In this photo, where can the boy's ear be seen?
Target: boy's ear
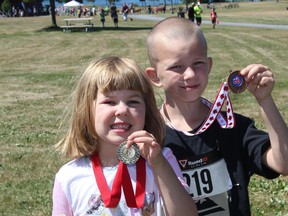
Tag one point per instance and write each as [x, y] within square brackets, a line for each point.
[152, 74]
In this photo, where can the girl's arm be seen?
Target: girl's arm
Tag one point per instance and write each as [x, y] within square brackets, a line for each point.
[173, 188]
[176, 199]
[60, 202]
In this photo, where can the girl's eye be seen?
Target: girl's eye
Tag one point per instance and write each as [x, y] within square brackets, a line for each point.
[109, 102]
[134, 102]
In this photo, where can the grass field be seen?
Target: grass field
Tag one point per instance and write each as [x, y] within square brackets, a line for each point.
[37, 69]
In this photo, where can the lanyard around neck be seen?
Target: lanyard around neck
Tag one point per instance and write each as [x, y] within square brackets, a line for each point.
[122, 177]
[214, 113]
[137, 200]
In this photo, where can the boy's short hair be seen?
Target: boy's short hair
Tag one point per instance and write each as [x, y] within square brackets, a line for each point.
[169, 29]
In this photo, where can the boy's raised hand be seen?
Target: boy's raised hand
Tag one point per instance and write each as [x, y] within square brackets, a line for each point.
[260, 79]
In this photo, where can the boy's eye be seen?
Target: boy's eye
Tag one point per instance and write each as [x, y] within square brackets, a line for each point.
[198, 63]
[175, 67]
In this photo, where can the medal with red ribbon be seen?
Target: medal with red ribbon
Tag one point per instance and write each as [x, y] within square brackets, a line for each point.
[214, 113]
[122, 178]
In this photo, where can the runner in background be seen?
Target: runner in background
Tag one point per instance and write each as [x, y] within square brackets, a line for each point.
[213, 17]
[125, 11]
[114, 14]
[198, 10]
[191, 15]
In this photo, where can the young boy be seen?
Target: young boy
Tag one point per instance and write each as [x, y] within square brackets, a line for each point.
[217, 163]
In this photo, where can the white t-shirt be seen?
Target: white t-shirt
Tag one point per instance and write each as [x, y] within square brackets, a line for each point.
[76, 192]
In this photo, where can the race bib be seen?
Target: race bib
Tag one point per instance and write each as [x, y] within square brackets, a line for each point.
[206, 175]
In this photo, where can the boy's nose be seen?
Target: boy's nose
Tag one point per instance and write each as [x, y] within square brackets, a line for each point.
[189, 73]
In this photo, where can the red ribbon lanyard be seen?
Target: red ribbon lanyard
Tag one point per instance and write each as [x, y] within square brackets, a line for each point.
[135, 201]
[214, 113]
[122, 177]
[110, 199]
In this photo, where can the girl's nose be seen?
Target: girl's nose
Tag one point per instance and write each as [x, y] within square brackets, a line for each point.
[121, 110]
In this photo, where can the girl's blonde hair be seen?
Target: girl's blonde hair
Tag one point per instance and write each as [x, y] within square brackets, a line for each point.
[106, 74]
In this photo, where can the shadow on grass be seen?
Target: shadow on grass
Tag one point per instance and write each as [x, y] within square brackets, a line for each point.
[94, 29]
[50, 28]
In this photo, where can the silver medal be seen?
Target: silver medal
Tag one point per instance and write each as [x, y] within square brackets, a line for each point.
[128, 155]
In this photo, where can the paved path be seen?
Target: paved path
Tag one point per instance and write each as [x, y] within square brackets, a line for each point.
[250, 25]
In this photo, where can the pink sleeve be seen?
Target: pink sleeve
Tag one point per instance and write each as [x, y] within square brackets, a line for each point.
[170, 157]
[61, 205]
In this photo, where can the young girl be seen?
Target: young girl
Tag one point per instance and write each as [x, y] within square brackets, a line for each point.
[115, 117]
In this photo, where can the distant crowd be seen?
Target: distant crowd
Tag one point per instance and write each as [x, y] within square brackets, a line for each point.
[193, 12]
[23, 10]
[92, 11]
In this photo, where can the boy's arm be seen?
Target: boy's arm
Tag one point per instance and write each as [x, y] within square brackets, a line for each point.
[261, 83]
[277, 156]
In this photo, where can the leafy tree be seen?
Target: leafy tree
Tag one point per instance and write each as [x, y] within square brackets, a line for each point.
[187, 2]
[6, 6]
[53, 15]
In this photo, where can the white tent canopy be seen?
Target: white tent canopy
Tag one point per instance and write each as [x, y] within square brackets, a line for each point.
[72, 3]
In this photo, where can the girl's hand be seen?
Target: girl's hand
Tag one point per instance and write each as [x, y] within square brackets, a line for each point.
[149, 148]
[260, 79]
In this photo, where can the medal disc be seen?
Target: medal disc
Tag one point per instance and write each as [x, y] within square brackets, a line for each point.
[128, 155]
[236, 82]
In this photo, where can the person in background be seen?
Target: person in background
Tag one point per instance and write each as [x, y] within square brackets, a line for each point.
[217, 161]
[213, 17]
[102, 17]
[198, 13]
[125, 11]
[116, 136]
[79, 11]
[164, 8]
[93, 10]
[149, 9]
[180, 12]
[191, 12]
[114, 14]
[132, 8]
[106, 10]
